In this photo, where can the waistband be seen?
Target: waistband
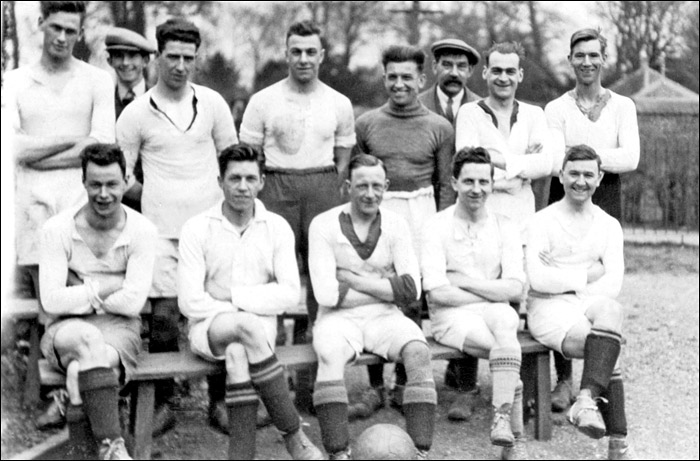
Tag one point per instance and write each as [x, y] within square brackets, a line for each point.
[428, 191]
[540, 295]
[302, 171]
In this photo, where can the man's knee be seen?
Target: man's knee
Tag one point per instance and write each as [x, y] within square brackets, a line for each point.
[78, 340]
[236, 360]
[608, 314]
[251, 330]
[504, 317]
[416, 353]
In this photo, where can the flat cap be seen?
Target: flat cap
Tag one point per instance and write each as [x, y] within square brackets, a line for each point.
[456, 45]
[119, 38]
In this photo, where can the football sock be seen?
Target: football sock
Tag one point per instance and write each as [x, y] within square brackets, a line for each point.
[268, 378]
[99, 390]
[601, 350]
[331, 403]
[504, 363]
[613, 412]
[242, 406]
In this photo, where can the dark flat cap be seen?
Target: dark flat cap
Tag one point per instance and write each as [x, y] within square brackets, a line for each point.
[454, 44]
[119, 38]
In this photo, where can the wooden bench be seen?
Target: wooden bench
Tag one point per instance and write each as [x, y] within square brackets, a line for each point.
[152, 367]
[27, 310]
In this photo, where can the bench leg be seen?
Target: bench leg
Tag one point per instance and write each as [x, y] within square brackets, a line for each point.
[543, 399]
[142, 403]
[32, 385]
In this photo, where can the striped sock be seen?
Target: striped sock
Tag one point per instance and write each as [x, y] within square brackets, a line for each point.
[331, 403]
[268, 378]
[600, 355]
[419, 402]
[516, 414]
[613, 412]
[242, 405]
[504, 363]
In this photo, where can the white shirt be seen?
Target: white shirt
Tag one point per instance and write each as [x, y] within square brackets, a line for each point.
[221, 270]
[444, 99]
[614, 136]
[138, 89]
[298, 130]
[554, 231]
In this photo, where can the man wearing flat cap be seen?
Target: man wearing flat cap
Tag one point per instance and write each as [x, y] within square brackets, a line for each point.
[129, 54]
[453, 64]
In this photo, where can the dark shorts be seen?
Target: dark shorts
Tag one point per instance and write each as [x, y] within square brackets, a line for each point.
[122, 333]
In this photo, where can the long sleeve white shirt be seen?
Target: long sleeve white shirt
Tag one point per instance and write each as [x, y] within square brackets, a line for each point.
[129, 260]
[222, 271]
[614, 136]
[554, 231]
[475, 128]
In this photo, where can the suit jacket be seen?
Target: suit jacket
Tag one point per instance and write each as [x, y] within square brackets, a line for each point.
[429, 98]
[118, 105]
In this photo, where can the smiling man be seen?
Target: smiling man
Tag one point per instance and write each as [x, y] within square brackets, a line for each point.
[177, 129]
[237, 272]
[575, 266]
[592, 115]
[95, 271]
[416, 146]
[306, 130]
[362, 266]
[514, 133]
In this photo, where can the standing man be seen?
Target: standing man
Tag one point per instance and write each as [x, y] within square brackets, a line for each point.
[237, 271]
[362, 266]
[416, 147]
[95, 270]
[56, 107]
[514, 133]
[305, 130]
[177, 129]
[453, 64]
[472, 266]
[592, 115]
[575, 265]
[129, 54]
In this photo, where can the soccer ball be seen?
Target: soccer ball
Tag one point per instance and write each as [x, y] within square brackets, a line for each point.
[384, 441]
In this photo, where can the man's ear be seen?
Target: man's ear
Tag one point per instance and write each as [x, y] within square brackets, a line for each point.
[421, 81]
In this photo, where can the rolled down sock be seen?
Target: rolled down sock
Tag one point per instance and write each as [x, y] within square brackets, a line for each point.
[600, 354]
[331, 403]
[242, 405]
[99, 390]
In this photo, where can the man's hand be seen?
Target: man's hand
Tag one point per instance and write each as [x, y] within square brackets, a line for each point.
[596, 271]
[534, 149]
[546, 258]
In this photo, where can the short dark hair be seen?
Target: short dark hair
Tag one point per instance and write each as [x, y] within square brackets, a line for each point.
[177, 30]
[49, 8]
[506, 48]
[470, 155]
[361, 160]
[241, 153]
[585, 35]
[304, 29]
[103, 155]
[403, 53]
[581, 152]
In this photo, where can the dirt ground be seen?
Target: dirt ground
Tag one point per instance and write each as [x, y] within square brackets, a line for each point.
[661, 368]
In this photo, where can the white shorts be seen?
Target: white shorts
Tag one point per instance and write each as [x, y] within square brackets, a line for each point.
[415, 207]
[381, 329]
[165, 269]
[550, 319]
[452, 326]
[198, 335]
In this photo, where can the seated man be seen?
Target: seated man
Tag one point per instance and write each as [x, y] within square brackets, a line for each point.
[237, 271]
[95, 273]
[362, 265]
[472, 264]
[575, 264]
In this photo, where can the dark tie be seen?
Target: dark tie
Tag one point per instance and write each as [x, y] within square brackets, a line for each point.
[448, 111]
[128, 97]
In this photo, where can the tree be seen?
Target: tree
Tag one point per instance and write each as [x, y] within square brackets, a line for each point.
[130, 15]
[652, 26]
[221, 75]
[9, 35]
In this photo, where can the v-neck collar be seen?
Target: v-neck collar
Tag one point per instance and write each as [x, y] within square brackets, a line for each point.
[194, 108]
[366, 248]
[494, 119]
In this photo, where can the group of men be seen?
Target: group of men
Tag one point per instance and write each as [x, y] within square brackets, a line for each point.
[424, 228]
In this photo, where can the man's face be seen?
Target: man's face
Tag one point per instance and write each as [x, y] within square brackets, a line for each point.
[580, 179]
[61, 32]
[403, 82]
[105, 186]
[241, 184]
[452, 72]
[128, 65]
[502, 75]
[176, 64]
[366, 187]
[304, 56]
[587, 61]
[473, 186]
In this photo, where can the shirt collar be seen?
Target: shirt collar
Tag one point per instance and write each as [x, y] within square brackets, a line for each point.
[138, 89]
[260, 215]
[124, 238]
[513, 115]
[443, 98]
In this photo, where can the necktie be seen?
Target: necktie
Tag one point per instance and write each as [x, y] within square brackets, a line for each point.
[128, 97]
[448, 112]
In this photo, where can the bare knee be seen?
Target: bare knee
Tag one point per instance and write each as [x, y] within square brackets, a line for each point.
[416, 354]
[236, 362]
[79, 342]
[251, 331]
[504, 319]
